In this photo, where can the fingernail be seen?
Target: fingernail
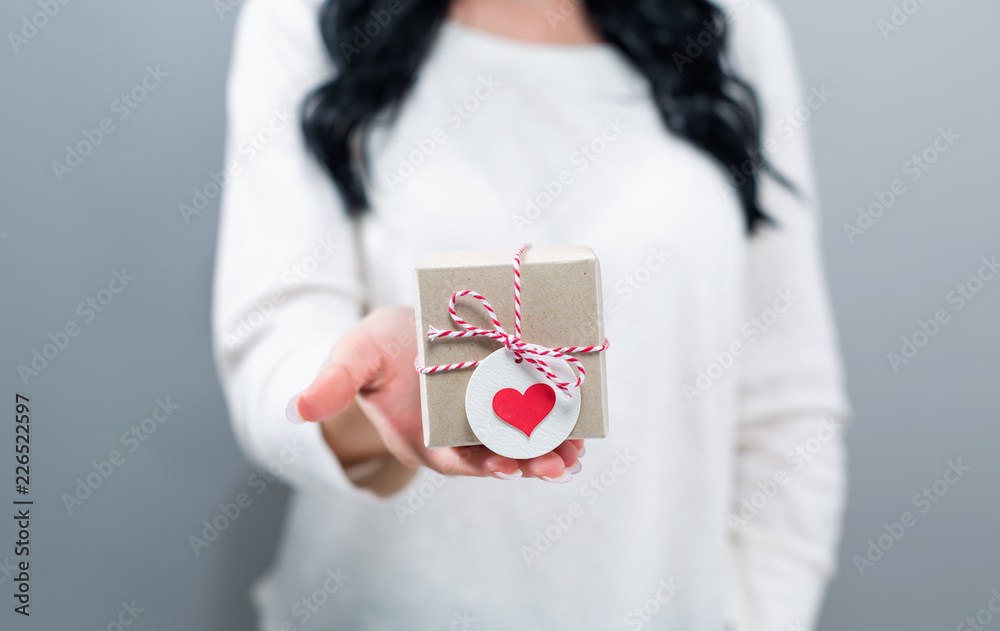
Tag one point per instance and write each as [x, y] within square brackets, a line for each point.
[582, 451]
[575, 468]
[563, 479]
[507, 476]
[292, 411]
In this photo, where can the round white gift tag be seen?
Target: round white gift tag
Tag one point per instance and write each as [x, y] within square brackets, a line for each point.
[515, 411]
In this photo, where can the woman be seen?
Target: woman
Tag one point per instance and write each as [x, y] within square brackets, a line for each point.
[715, 501]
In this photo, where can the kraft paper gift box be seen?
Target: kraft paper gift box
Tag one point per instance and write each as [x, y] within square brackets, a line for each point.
[561, 306]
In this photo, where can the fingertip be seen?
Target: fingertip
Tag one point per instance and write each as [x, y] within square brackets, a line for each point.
[329, 395]
[305, 406]
[565, 478]
[505, 476]
[292, 411]
[568, 452]
[550, 465]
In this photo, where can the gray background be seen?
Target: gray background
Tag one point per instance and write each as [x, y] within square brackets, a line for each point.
[129, 539]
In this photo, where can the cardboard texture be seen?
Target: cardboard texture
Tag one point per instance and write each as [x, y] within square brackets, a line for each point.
[561, 306]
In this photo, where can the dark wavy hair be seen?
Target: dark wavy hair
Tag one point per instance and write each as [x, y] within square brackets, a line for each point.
[678, 45]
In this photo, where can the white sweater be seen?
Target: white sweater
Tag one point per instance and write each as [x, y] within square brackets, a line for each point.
[717, 497]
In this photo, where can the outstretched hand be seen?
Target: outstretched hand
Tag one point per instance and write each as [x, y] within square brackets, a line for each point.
[373, 364]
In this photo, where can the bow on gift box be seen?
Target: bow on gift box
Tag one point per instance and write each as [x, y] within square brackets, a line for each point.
[534, 354]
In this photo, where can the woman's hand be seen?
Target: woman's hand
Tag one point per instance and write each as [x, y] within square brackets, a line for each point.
[373, 364]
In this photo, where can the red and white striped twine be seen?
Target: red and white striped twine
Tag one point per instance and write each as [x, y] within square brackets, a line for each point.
[531, 353]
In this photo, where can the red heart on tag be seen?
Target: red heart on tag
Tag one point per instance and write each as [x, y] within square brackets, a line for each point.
[525, 411]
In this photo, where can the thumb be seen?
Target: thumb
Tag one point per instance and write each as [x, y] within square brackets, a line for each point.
[355, 361]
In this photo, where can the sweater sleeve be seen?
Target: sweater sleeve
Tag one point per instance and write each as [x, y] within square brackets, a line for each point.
[286, 283]
[790, 474]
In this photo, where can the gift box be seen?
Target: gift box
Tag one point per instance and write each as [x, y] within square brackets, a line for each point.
[560, 310]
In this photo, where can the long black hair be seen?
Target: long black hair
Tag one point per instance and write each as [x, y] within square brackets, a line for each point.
[679, 45]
